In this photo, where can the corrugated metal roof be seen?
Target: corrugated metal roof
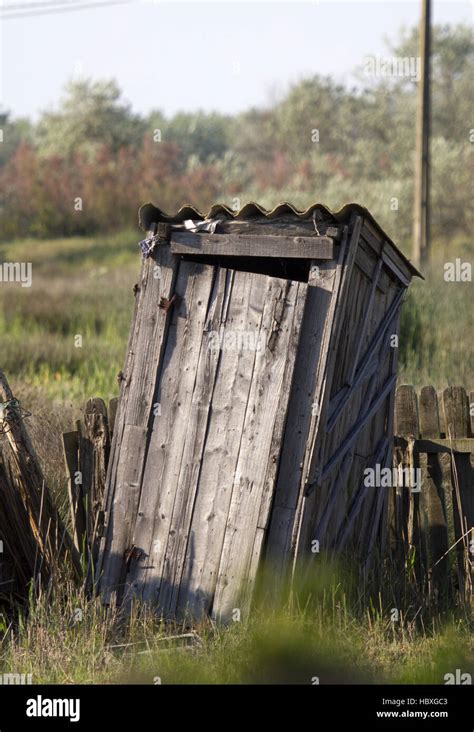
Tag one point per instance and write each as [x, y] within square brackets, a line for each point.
[149, 213]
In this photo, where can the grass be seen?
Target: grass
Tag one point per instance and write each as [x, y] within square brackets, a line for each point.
[81, 287]
[322, 638]
[437, 324]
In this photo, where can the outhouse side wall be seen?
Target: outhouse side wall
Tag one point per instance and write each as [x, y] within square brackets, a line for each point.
[345, 408]
[339, 509]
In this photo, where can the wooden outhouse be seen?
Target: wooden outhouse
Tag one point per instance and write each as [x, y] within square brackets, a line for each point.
[258, 385]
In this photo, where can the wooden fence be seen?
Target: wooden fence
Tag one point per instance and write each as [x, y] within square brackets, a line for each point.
[431, 522]
[86, 454]
[33, 539]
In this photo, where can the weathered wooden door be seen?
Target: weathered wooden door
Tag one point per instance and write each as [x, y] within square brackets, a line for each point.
[212, 446]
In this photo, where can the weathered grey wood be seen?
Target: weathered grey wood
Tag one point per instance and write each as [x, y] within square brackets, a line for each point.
[167, 440]
[428, 413]
[396, 268]
[303, 408]
[260, 446]
[457, 419]
[240, 312]
[439, 445]
[365, 322]
[221, 468]
[200, 405]
[351, 437]
[435, 527]
[357, 502]
[112, 413]
[247, 245]
[367, 365]
[406, 411]
[456, 412]
[97, 432]
[315, 440]
[174, 594]
[50, 534]
[86, 470]
[141, 375]
[76, 505]
[123, 508]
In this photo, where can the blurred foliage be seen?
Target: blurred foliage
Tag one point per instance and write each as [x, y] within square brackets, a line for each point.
[332, 640]
[318, 141]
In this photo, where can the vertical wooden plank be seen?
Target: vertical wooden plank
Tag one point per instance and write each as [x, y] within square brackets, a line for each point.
[168, 436]
[242, 313]
[406, 412]
[429, 413]
[138, 386]
[71, 459]
[333, 320]
[366, 320]
[457, 419]
[432, 503]
[260, 446]
[97, 433]
[112, 413]
[174, 581]
[407, 424]
[129, 469]
[302, 411]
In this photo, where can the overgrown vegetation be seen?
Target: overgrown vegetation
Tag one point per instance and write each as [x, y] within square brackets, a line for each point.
[320, 141]
[324, 633]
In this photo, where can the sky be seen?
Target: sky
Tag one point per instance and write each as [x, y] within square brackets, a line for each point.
[172, 56]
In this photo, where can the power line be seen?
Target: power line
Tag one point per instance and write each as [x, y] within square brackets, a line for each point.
[61, 8]
[31, 6]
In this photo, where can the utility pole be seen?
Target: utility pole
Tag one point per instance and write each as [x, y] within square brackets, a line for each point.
[421, 211]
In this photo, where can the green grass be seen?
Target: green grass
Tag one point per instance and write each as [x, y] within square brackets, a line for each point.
[324, 637]
[81, 286]
[437, 324]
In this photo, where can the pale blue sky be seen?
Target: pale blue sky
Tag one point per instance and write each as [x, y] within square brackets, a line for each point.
[217, 55]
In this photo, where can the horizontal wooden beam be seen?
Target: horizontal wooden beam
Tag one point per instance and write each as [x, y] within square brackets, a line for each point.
[247, 245]
[463, 444]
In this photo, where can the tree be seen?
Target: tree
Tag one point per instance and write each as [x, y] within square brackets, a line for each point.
[91, 114]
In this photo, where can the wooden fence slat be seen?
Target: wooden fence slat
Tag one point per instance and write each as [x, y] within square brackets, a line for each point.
[112, 413]
[434, 528]
[456, 410]
[76, 504]
[53, 540]
[406, 411]
[429, 413]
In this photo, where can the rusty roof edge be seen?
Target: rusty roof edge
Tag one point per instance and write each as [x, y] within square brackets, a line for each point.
[149, 213]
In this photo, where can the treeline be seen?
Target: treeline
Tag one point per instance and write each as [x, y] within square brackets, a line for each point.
[86, 167]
